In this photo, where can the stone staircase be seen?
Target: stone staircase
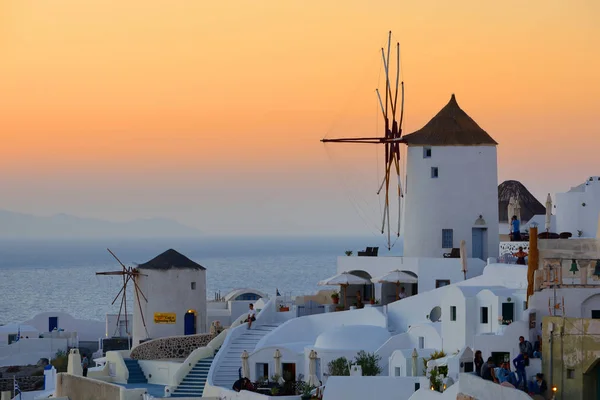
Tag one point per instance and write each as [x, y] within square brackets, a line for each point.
[193, 383]
[228, 370]
[136, 374]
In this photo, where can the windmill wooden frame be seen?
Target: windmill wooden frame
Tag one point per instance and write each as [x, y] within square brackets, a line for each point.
[392, 136]
[128, 274]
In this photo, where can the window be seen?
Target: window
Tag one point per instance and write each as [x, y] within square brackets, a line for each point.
[417, 386]
[262, 370]
[193, 284]
[426, 152]
[595, 314]
[434, 172]
[484, 315]
[441, 283]
[248, 297]
[524, 305]
[421, 342]
[452, 313]
[447, 238]
[398, 371]
[570, 373]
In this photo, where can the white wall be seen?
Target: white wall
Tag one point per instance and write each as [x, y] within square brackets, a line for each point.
[572, 216]
[87, 330]
[369, 387]
[169, 291]
[159, 372]
[307, 329]
[265, 355]
[29, 351]
[428, 270]
[467, 186]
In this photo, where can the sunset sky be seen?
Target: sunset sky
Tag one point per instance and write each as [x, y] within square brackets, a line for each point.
[210, 112]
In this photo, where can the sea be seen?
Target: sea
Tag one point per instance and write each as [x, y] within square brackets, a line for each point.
[60, 275]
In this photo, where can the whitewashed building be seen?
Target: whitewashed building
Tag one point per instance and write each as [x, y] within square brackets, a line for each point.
[451, 190]
[175, 289]
[577, 210]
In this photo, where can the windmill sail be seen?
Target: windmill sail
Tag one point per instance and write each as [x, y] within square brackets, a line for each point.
[393, 114]
[129, 274]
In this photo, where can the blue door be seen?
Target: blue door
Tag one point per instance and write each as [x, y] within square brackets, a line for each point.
[189, 323]
[52, 323]
[478, 243]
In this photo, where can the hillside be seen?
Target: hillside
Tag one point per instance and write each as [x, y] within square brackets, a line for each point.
[63, 226]
[530, 206]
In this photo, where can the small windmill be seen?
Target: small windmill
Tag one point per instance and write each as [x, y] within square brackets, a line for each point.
[391, 138]
[128, 274]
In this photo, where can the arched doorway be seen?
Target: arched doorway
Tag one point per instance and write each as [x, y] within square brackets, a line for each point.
[366, 291]
[189, 322]
[388, 290]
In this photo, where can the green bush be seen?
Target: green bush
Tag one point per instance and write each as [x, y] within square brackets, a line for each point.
[369, 362]
[60, 361]
[339, 367]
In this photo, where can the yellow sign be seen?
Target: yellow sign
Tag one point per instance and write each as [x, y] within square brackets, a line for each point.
[165, 318]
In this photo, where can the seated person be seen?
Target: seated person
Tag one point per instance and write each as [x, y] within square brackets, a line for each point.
[248, 385]
[251, 316]
[539, 385]
[520, 256]
[238, 385]
[359, 303]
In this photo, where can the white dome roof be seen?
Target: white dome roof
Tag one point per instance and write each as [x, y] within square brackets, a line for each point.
[353, 337]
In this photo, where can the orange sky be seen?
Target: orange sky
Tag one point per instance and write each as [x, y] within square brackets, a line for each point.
[190, 108]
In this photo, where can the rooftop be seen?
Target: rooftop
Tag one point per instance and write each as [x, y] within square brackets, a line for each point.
[171, 259]
[450, 127]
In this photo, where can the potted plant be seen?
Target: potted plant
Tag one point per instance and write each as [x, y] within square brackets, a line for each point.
[339, 307]
[335, 297]
[372, 300]
[306, 391]
[283, 308]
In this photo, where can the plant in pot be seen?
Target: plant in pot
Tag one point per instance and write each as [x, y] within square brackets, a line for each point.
[306, 393]
[335, 297]
[372, 300]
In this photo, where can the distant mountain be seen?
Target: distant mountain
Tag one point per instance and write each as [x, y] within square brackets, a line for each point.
[63, 226]
[530, 206]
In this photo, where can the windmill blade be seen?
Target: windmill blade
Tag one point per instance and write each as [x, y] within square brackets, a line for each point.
[117, 258]
[121, 291]
[138, 288]
[119, 315]
[138, 291]
[111, 273]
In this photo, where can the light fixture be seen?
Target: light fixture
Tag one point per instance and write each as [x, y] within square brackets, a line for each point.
[597, 268]
[574, 268]
[554, 388]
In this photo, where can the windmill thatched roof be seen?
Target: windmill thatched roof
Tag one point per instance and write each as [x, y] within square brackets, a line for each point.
[450, 127]
[171, 259]
[530, 206]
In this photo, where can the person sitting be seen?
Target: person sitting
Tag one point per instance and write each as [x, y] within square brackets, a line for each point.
[238, 385]
[539, 385]
[251, 316]
[402, 293]
[487, 371]
[520, 256]
[359, 303]
[478, 362]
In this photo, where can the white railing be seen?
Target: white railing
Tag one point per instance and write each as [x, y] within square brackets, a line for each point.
[197, 355]
[235, 331]
[117, 359]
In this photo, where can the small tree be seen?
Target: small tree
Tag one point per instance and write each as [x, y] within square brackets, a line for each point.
[369, 362]
[339, 367]
[348, 253]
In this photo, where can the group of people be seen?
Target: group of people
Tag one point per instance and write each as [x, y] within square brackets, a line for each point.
[502, 373]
